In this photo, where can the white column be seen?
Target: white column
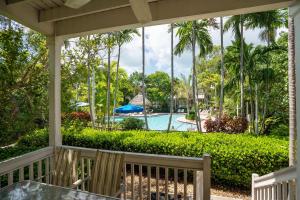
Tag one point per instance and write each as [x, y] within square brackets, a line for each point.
[54, 46]
[295, 12]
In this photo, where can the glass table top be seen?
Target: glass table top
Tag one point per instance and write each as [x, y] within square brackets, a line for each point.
[27, 190]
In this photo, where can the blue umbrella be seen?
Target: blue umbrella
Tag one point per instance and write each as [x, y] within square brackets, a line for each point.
[129, 109]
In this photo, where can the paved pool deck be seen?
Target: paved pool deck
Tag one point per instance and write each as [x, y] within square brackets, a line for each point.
[213, 197]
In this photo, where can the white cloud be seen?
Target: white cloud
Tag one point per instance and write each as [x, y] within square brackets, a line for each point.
[157, 54]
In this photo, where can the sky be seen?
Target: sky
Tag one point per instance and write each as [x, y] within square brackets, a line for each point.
[158, 50]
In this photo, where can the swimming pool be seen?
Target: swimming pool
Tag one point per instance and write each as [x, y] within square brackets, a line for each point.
[160, 122]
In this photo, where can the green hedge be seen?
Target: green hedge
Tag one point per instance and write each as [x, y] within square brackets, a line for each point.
[10, 152]
[234, 157]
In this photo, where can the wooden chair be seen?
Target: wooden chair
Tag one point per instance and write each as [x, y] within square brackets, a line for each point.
[106, 174]
[65, 165]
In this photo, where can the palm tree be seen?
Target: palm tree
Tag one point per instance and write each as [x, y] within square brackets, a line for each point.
[90, 77]
[255, 58]
[292, 92]
[194, 75]
[121, 38]
[143, 81]
[109, 44]
[236, 23]
[172, 80]
[191, 34]
[222, 69]
[269, 22]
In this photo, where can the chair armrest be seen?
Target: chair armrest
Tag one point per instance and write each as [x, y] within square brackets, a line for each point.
[39, 178]
[79, 182]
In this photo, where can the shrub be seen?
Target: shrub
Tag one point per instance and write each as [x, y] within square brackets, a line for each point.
[226, 124]
[132, 123]
[234, 157]
[83, 116]
[10, 152]
[280, 130]
[191, 115]
[38, 139]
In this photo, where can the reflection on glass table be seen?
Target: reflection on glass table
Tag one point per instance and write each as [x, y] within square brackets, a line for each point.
[28, 190]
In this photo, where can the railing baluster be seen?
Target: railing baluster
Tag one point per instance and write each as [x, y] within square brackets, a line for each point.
[149, 181]
[266, 193]
[284, 191]
[125, 182]
[194, 185]
[274, 192]
[132, 181]
[185, 184]
[157, 183]
[82, 173]
[31, 176]
[175, 183]
[21, 174]
[279, 194]
[140, 181]
[47, 170]
[40, 171]
[51, 165]
[200, 183]
[166, 183]
[270, 193]
[10, 178]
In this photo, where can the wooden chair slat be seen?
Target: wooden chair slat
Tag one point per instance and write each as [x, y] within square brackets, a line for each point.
[106, 173]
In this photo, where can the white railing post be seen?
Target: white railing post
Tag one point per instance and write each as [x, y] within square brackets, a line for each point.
[253, 193]
[294, 11]
[54, 46]
[206, 176]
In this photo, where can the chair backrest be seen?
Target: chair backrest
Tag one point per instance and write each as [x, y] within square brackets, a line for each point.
[65, 167]
[106, 173]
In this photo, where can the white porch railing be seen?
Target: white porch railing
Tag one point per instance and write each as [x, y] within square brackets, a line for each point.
[279, 185]
[147, 176]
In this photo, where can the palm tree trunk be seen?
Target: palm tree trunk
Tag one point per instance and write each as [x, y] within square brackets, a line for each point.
[90, 88]
[194, 77]
[117, 82]
[172, 81]
[222, 69]
[143, 84]
[108, 85]
[256, 109]
[265, 108]
[292, 93]
[197, 95]
[93, 95]
[77, 96]
[242, 66]
[251, 107]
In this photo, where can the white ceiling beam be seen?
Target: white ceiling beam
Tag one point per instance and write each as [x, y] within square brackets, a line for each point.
[100, 22]
[169, 11]
[26, 15]
[141, 10]
[163, 12]
[63, 12]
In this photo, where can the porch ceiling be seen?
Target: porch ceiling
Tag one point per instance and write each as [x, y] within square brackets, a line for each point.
[51, 17]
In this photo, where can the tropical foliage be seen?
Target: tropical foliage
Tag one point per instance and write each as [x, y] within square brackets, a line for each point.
[234, 157]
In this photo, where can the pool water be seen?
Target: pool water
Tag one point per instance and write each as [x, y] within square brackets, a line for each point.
[160, 122]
